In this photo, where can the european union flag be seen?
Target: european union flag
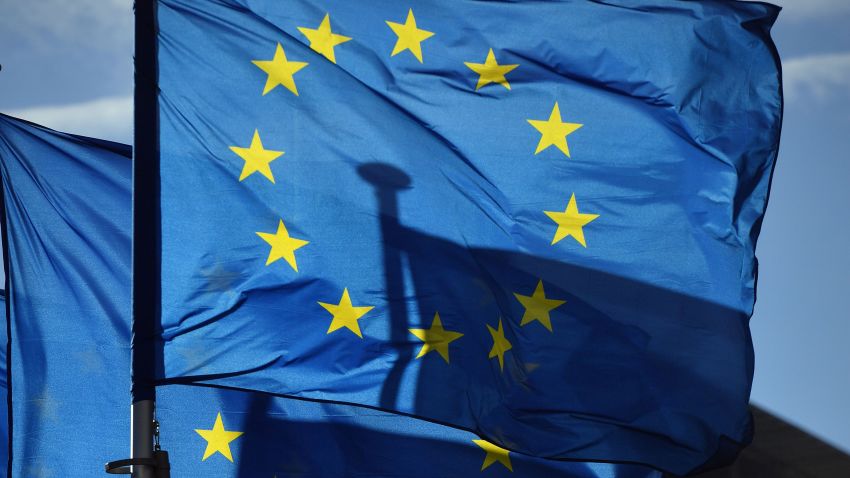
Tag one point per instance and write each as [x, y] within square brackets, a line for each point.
[66, 208]
[67, 204]
[216, 432]
[534, 221]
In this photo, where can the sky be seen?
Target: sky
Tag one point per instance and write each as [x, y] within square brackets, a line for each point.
[68, 65]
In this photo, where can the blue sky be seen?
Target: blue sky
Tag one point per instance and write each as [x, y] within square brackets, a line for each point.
[68, 65]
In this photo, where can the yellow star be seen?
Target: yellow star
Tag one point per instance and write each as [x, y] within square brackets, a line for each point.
[500, 344]
[218, 439]
[494, 454]
[409, 36]
[570, 222]
[283, 246]
[553, 132]
[491, 71]
[436, 338]
[280, 71]
[322, 39]
[257, 158]
[345, 314]
[537, 306]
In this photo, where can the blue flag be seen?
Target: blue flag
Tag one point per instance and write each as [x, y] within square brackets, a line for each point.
[214, 432]
[67, 231]
[535, 221]
[67, 204]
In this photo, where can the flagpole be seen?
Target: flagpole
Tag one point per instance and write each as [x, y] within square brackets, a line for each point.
[145, 238]
[141, 436]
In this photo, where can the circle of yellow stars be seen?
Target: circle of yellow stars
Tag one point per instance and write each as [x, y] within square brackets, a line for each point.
[281, 71]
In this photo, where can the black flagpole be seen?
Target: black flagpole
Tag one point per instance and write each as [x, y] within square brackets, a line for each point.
[145, 278]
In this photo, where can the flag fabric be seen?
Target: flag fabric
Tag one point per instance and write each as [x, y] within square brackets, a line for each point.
[215, 432]
[67, 210]
[535, 221]
[67, 204]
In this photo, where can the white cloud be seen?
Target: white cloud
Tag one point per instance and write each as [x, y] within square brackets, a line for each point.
[104, 118]
[817, 77]
[91, 24]
[796, 10]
